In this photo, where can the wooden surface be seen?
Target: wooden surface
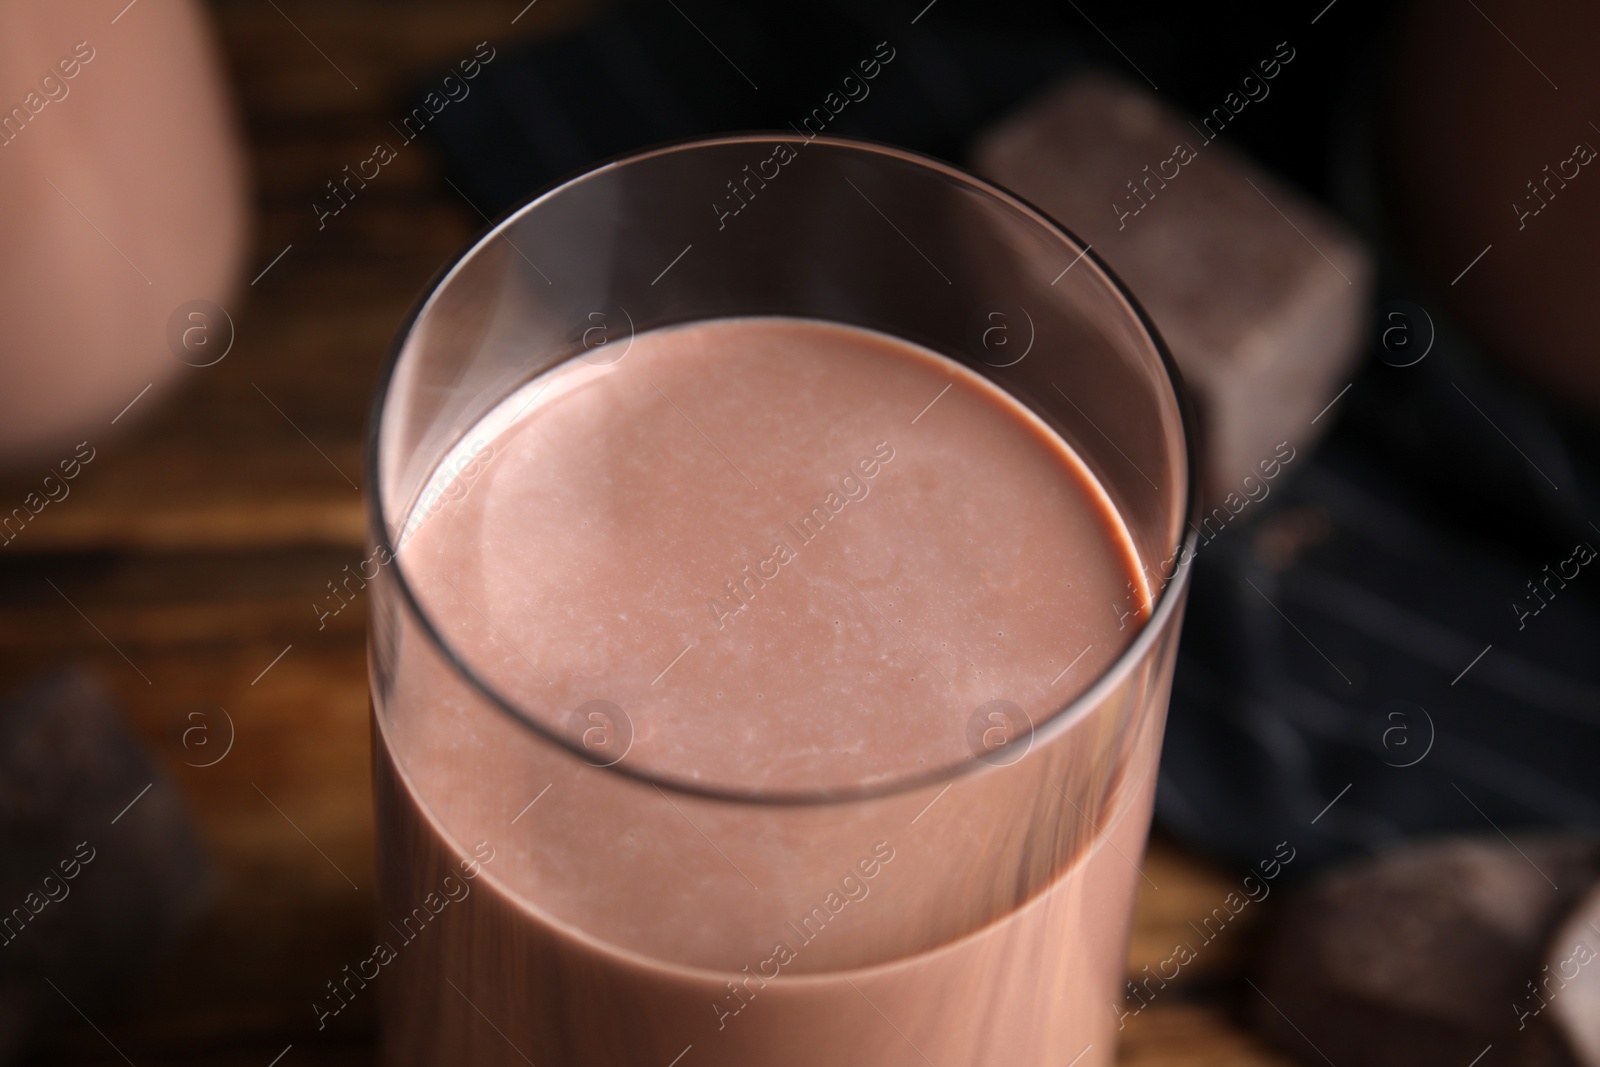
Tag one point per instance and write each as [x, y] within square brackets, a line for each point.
[192, 549]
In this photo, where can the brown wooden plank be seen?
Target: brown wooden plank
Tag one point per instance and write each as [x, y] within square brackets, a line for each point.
[1190, 1035]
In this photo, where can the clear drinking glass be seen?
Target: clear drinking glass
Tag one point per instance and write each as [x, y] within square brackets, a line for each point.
[994, 925]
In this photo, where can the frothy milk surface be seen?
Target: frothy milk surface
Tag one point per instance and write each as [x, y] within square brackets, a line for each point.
[797, 555]
[775, 554]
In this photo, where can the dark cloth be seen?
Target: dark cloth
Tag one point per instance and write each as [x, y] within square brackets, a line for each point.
[1337, 629]
[645, 72]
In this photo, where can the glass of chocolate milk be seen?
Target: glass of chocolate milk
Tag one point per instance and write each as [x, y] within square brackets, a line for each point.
[780, 549]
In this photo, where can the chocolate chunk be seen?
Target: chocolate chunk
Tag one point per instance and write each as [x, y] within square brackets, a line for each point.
[1423, 956]
[103, 865]
[1260, 295]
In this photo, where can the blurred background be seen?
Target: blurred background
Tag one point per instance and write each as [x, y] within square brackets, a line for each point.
[1379, 252]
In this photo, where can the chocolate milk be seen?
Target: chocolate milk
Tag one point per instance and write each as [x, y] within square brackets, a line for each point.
[805, 602]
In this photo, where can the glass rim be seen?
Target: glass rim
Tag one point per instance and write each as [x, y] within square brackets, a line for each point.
[1164, 602]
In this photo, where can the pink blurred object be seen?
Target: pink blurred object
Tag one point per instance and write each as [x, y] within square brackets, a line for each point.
[123, 188]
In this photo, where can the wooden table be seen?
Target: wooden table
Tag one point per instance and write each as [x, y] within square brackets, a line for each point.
[198, 540]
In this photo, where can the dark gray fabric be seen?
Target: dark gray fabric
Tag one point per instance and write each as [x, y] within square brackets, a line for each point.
[1400, 551]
